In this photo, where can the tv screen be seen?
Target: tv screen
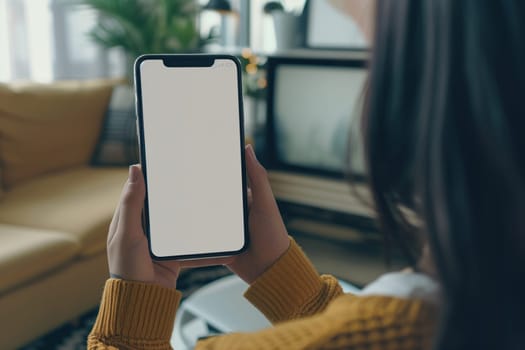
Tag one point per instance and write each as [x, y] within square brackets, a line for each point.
[313, 112]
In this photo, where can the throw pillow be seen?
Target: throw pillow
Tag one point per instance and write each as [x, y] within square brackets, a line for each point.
[47, 127]
[118, 143]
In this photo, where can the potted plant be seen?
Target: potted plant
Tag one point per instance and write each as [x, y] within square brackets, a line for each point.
[140, 26]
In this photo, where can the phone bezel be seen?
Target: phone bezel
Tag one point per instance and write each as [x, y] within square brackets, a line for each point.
[189, 60]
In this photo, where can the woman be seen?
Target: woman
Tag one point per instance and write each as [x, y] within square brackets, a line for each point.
[444, 129]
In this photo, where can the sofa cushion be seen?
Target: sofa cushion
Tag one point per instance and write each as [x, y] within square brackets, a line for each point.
[46, 127]
[79, 202]
[26, 253]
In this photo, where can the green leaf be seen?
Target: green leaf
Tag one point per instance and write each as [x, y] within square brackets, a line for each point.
[146, 26]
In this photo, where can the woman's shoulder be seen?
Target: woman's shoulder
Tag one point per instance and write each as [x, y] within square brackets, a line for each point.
[381, 320]
[397, 308]
[384, 309]
[400, 301]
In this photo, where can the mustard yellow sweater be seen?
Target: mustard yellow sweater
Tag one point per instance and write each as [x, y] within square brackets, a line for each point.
[308, 312]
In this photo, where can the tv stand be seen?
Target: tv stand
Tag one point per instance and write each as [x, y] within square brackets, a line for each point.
[331, 208]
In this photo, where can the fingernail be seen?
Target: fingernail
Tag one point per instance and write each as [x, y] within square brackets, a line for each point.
[251, 151]
[133, 175]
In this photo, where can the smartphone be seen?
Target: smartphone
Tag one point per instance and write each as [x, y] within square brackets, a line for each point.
[191, 135]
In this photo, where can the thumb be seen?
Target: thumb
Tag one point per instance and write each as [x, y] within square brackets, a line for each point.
[258, 176]
[132, 199]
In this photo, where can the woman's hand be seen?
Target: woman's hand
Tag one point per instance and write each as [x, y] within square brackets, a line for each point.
[268, 236]
[128, 253]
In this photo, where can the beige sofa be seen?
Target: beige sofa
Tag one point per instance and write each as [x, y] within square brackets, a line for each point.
[55, 209]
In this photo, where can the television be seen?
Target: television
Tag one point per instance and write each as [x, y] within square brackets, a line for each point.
[312, 141]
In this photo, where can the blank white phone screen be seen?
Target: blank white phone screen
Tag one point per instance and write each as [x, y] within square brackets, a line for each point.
[193, 158]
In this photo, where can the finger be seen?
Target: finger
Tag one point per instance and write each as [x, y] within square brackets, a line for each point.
[259, 183]
[132, 199]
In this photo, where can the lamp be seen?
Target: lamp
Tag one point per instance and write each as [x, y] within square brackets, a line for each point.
[221, 6]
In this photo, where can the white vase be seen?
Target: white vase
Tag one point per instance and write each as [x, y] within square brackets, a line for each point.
[287, 33]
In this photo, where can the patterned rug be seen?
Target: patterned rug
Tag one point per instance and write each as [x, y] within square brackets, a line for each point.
[72, 336]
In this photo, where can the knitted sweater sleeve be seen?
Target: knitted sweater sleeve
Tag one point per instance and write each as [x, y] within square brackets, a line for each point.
[305, 308]
[134, 314]
[292, 288]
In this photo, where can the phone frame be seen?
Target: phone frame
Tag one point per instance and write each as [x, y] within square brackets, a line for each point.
[189, 60]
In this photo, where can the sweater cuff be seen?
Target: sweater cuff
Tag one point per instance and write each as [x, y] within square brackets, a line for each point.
[283, 290]
[136, 310]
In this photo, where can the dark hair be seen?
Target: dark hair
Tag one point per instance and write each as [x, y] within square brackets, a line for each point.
[444, 128]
